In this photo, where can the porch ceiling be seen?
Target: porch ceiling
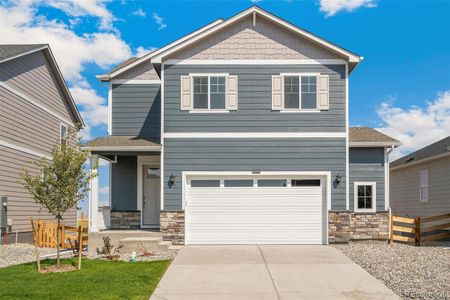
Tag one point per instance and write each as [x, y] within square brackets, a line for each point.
[123, 144]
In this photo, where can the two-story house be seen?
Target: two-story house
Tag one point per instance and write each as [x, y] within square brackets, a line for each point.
[36, 112]
[238, 134]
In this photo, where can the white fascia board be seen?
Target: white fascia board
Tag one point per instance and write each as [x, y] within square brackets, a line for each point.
[135, 81]
[350, 56]
[23, 53]
[373, 144]
[237, 135]
[122, 148]
[24, 149]
[156, 52]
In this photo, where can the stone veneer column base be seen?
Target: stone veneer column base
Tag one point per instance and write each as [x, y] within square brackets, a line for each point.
[172, 226]
[125, 219]
[345, 226]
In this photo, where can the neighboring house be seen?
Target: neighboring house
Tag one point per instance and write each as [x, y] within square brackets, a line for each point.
[238, 133]
[36, 111]
[420, 181]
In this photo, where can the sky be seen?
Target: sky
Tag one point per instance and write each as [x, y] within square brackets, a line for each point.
[402, 87]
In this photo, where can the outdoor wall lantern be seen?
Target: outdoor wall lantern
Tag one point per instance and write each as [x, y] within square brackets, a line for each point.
[172, 179]
[338, 179]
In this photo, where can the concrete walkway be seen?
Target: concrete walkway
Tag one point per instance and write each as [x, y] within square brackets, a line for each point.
[267, 272]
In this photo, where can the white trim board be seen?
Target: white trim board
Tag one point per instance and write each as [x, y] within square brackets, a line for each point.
[37, 104]
[135, 81]
[374, 196]
[256, 135]
[373, 144]
[122, 148]
[347, 150]
[255, 62]
[23, 149]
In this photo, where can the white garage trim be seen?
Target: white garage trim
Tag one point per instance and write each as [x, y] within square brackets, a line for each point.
[325, 175]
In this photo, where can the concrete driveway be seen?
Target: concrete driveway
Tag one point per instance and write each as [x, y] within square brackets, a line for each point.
[267, 272]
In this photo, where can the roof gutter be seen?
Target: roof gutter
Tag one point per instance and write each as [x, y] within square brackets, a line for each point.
[373, 144]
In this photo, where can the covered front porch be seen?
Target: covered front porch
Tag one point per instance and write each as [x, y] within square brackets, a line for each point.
[134, 183]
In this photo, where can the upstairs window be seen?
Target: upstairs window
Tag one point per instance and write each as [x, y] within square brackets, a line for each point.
[300, 92]
[424, 188]
[209, 92]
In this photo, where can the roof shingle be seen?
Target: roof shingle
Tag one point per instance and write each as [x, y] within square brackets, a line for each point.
[361, 135]
[122, 141]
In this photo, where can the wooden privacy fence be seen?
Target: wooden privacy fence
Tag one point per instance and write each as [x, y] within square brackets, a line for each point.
[420, 229]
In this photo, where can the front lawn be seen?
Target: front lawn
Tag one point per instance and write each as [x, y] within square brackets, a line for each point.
[97, 280]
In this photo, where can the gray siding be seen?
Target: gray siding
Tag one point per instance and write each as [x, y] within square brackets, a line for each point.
[136, 109]
[254, 101]
[404, 189]
[367, 164]
[124, 184]
[247, 154]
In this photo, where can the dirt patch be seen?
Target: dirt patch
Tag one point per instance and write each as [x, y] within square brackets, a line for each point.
[58, 269]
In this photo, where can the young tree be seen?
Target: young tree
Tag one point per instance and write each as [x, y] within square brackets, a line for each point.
[64, 180]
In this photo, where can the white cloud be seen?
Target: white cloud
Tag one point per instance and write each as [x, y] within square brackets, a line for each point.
[141, 51]
[104, 190]
[331, 7]
[21, 22]
[416, 127]
[159, 21]
[255, 1]
[140, 13]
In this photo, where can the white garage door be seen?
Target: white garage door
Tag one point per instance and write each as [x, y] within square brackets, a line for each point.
[258, 210]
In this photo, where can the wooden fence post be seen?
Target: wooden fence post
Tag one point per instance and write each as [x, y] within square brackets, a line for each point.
[417, 230]
[80, 245]
[391, 228]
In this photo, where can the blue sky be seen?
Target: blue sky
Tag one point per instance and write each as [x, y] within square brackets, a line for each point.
[402, 87]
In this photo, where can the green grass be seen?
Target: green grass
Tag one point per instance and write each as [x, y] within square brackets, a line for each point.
[97, 279]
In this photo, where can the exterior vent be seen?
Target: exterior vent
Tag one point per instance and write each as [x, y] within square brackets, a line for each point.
[409, 160]
[448, 148]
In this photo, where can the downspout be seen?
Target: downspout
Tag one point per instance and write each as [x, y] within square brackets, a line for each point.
[387, 187]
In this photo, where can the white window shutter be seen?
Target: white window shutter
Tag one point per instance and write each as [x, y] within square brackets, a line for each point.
[232, 92]
[186, 92]
[323, 92]
[277, 92]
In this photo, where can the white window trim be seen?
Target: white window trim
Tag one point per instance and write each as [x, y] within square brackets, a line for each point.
[208, 110]
[374, 196]
[300, 109]
[426, 185]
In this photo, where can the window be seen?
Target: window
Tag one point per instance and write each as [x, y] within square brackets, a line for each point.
[272, 182]
[300, 92]
[424, 188]
[209, 92]
[205, 183]
[239, 183]
[365, 196]
[63, 133]
[305, 182]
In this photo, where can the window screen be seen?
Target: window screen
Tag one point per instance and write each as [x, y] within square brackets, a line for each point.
[205, 183]
[239, 183]
[305, 182]
[272, 182]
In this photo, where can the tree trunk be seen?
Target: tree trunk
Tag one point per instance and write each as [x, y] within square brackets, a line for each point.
[58, 238]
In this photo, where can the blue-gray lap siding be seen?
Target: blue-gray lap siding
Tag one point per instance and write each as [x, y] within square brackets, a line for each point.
[247, 154]
[367, 164]
[136, 109]
[124, 184]
[254, 101]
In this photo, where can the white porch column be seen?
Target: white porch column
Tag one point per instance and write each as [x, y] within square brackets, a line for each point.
[93, 195]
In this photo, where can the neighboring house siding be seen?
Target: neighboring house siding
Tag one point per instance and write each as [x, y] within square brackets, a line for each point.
[21, 206]
[367, 164]
[25, 125]
[404, 189]
[254, 112]
[136, 109]
[263, 41]
[33, 75]
[247, 154]
[124, 184]
[144, 71]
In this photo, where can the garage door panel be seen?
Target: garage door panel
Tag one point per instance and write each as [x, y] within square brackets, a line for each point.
[249, 215]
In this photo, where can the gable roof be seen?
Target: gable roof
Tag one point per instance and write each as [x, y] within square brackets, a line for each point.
[158, 55]
[13, 51]
[369, 137]
[435, 150]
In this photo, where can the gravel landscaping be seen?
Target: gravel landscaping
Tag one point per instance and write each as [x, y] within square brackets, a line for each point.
[152, 255]
[15, 254]
[411, 272]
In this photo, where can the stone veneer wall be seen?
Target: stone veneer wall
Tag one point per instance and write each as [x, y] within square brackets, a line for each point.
[344, 226]
[172, 226]
[125, 219]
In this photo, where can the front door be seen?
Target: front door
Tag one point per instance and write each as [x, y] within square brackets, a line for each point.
[151, 200]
